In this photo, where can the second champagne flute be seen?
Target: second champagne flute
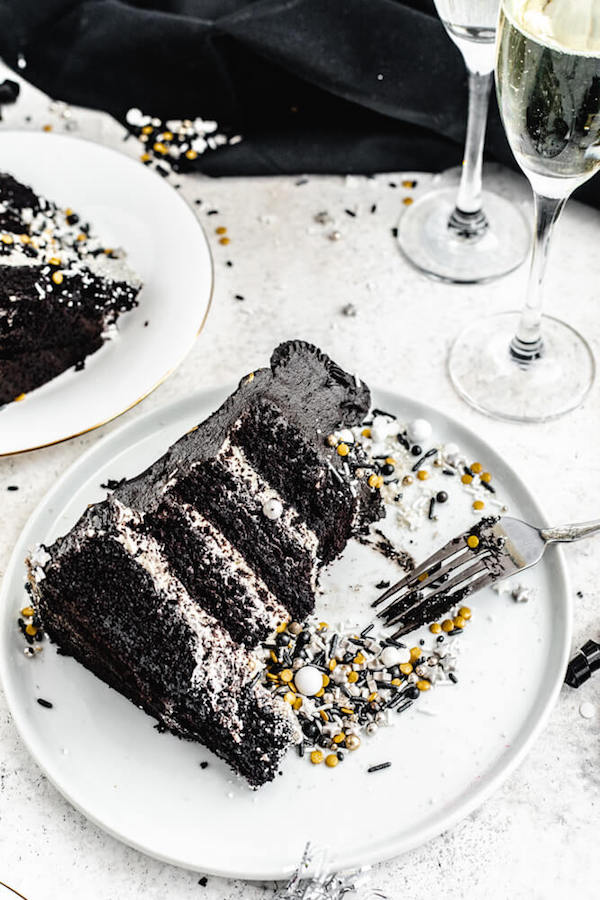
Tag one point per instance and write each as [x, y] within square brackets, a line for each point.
[467, 235]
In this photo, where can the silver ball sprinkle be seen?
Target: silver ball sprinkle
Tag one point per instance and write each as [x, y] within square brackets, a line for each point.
[272, 509]
[371, 728]
[335, 236]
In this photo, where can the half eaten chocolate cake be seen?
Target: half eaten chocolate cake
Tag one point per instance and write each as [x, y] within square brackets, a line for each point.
[166, 588]
[61, 288]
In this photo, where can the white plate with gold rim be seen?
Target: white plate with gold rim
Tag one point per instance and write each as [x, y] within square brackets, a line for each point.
[132, 207]
[448, 752]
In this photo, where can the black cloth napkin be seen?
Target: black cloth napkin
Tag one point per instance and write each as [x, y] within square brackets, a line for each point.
[313, 85]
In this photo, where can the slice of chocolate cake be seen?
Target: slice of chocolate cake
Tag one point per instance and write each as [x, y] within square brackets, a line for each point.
[60, 289]
[167, 588]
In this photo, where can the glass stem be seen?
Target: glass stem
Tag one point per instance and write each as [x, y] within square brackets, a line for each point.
[528, 344]
[468, 217]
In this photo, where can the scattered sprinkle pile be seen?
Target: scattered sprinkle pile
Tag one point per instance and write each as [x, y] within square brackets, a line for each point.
[344, 687]
[176, 143]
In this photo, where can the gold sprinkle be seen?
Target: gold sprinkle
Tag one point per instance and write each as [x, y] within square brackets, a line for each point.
[160, 148]
[415, 654]
[343, 449]
[372, 697]
[281, 628]
[359, 659]
[272, 677]
[167, 136]
[82, 237]
[286, 675]
[466, 478]
[459, 622]
[447, 625]
[331, 760]
[58, 277]
[325, 679]
[352, 677]
[465, 612]
[347, 710]
[190, 154]
[47, 128]
[273, 656]
[435, 628]
[323, 626]
[297, 703]
[406, 668]
[408, 184]
[396, 682]
[324, 715]
[338, 738]
[28, 611]
[147, 129]
[407, 201]
[423, 685]
[6, 239]
[366, 432]
[332, 664]
[19, 397]
[473, 541]
[289, 697]
[320, 692]
[478, 504]
[422, 474]
[145, 157]
[224, 241]
[476, 467]
[221, 230]
[485, 476]
[390, 460]
[31, 630]
[25, 239]
[54, 261]
[316, 757]
[423, 577]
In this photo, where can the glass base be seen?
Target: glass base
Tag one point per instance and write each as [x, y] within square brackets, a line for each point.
[489, 377]
[448, 253]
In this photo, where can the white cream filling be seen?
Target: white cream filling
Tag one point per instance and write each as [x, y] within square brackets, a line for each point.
[269, 612]
[235, 461]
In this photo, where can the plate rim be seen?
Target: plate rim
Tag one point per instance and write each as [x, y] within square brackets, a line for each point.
[18, 132]
[373, 855]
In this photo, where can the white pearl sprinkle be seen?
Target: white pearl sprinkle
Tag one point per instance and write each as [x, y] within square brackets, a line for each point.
[418, 430]
[394, 656]
[587, 710]
[272, 509]
[308, 681]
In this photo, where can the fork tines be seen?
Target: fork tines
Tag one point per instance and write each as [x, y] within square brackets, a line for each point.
[434, 587]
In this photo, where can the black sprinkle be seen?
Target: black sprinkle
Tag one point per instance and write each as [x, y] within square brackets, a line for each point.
[212, 212]
[431, 508]
[301, 748]
[12, 487]
[448, 472]
[579, 593]
[350, 212]
[80, 365]
[203, 881]
[253, 681]
[488, 487]
[468, 471]
[229, 264]
[45, 703]
[198, 202]
[381, 585]
[367, 630]
[301, 181]
[379, 767]
[162, 170]
[441, 639]
[453, 677]
[425, 456]
[374, 208]
[146, 323]
[239, 296]
[392, 184]
[394, 232]
[204, 765]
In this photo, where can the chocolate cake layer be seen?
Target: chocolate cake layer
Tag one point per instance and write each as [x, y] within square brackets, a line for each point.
[181, 572]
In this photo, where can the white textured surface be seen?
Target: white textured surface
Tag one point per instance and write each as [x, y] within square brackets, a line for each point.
[536, 838]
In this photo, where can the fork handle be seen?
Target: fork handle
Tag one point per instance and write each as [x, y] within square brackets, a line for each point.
[570, 532]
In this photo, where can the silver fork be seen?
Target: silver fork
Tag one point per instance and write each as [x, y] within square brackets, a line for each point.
[490, 551]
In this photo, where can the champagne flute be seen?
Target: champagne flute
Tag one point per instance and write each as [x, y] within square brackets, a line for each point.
[469, 235]
[522, 366]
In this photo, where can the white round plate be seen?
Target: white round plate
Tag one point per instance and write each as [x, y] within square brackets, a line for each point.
[448, 752]
[132, 207]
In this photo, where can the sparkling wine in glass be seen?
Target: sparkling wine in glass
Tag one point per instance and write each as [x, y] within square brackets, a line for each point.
[524, 366]
[467, 235]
